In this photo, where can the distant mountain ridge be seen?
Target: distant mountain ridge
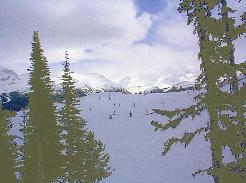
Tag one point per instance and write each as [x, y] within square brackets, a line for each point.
[11, 81]
[93, 83]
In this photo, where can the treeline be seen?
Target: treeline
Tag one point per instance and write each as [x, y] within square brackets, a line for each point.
[55, 145]
[17, 102]
[220, 92]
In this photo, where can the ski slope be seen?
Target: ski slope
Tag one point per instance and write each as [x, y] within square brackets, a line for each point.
[135, 148]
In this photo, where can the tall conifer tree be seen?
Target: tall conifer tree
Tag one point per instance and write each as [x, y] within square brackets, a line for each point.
[85, 158]
[218, 70]
[7, 149]
[42, 149]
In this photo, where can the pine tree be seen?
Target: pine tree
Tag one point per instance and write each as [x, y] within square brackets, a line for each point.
[42, 149]
[96, 160]
[7, 155]
[218, 69]
[85, 157]
[230, 106]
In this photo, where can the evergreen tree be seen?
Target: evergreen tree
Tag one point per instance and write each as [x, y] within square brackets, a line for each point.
[42, 156]
[231, 102]
[7, 155]
[96, 160]
[218, 70]
[86, 160]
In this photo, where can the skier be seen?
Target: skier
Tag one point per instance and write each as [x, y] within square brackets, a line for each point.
[130, 114]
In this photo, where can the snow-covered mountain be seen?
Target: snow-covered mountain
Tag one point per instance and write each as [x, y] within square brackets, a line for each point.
[164, 83]
[92, 83]
[10, 81]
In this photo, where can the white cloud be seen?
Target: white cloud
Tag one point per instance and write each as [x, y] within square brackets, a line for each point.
[110, 29]
[173, 52]
[142, 60]
[177, 33]
[72, 25]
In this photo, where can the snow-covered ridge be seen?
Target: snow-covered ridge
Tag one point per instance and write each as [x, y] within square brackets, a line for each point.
[10, 81]
[7, 74]
[92, 83]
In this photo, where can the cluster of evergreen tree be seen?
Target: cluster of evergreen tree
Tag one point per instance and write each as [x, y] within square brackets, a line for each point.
[17, 102]
[57, 147]
[220, 91]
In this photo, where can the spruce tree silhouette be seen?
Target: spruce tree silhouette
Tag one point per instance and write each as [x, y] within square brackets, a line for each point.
[231, 102]
[86, 160]
[96, 160]
[7, 150]
[42, 149]
[218, 70]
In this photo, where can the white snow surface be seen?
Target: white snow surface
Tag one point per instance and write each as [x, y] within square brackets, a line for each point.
[135, 148]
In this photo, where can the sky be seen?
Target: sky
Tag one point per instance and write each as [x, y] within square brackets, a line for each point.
[143, 39]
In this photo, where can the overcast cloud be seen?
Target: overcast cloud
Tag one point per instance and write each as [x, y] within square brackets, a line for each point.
[116, 38]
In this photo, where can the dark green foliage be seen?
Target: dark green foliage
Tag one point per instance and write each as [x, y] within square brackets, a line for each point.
[179, 89]
[226, 108]
[58, 96]
[8, 149]
[42, 150]
[96, 160]
[186, 139]
[85, 158]
[18, 101]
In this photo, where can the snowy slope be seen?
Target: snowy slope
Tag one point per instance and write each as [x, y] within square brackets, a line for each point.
[134, 147]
